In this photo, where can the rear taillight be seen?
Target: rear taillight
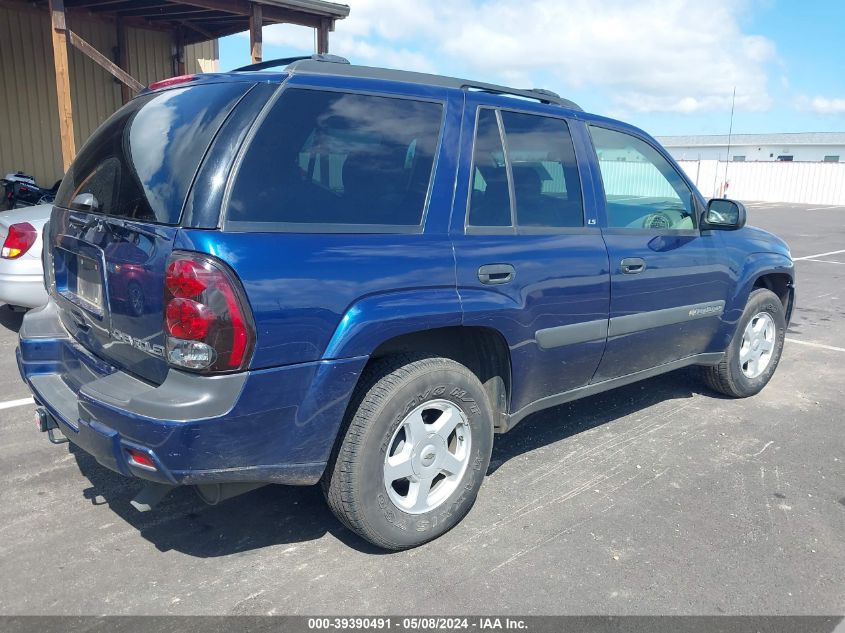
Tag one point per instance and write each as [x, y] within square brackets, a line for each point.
[20, 239]
[140, 458]
[172, 81]
[206, 315]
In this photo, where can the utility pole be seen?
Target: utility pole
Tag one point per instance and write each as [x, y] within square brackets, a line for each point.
[730, 133]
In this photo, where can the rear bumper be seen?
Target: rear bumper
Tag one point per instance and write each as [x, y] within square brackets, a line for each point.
[273, 426]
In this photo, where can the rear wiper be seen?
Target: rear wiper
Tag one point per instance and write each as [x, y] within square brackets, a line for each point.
[111, 224]
[130, 226]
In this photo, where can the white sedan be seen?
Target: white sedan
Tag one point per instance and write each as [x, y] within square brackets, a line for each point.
[21, 271]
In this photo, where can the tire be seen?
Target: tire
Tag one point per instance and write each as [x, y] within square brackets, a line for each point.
[400, 411]
[737, 376]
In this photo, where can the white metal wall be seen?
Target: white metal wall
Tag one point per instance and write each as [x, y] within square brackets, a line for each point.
[764, 153]
[803, 183]
[630, 178]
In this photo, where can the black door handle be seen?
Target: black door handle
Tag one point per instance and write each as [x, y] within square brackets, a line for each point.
[494, 274]
[633, 265]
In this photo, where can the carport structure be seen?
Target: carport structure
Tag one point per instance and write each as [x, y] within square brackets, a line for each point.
[101, 30]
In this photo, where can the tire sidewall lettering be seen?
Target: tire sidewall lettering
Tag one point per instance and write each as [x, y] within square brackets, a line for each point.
[774, 308]
[447, 511]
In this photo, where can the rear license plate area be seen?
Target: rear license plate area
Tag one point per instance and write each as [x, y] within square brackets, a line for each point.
[89, 286]
[79, 278]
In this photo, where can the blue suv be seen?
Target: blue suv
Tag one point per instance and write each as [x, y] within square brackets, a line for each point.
[356, 276]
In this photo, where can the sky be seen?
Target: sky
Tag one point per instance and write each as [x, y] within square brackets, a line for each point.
[667, 66]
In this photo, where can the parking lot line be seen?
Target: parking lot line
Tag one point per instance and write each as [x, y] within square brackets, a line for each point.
[831, 206]
[11, 404]
[819, 345]
[798, 259]
[823, 261]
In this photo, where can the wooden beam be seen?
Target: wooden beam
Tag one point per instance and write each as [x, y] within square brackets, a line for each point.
[58, 28]
[108, 65]
[216, 33]
[101, 17]
[196, 27]
[175, 13]
[256, 42]
[93, 4]
[270, 14]
[323, 36]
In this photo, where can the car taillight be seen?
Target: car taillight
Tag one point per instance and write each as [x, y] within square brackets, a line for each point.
[172, 81]
[206, 316]
[20, 239]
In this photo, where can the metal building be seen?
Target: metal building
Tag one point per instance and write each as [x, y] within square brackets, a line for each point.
[828, 147]
[69, 64]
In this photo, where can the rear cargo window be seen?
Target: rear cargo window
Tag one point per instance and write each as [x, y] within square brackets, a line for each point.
[330, 158]
[140, 163]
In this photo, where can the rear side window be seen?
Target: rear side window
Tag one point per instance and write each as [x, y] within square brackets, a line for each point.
[331, 158]
[545, 174]
[490, 203]
[140, 163]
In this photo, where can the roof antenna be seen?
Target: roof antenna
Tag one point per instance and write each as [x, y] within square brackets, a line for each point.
[728, 157]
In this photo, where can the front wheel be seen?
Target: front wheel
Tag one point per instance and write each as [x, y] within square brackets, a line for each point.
[755, 350]
[414, 454]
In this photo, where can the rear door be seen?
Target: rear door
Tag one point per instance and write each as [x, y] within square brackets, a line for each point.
[669, 281]
[530, 262]
[116, 217]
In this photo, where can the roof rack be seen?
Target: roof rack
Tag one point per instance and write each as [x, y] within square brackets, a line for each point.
[540, 94]
[286, 61]
[317, 64]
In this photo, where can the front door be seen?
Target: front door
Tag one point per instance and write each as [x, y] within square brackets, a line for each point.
[669, 281]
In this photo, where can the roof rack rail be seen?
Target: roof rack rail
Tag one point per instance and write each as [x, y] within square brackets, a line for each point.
[539, 94]
[286, 61]
[315, 65]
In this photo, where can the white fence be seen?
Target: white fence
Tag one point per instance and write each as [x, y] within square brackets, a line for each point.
[634, 178]
[807, 183]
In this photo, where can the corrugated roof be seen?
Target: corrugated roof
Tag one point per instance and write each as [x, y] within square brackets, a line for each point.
[786, 139]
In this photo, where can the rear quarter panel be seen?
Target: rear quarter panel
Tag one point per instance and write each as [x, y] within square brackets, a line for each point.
[302, 288]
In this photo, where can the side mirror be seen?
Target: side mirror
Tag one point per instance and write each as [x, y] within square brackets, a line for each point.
[85, 202]
[724, 214]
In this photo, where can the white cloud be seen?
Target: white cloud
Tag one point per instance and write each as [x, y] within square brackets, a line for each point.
[651, 55]
[822, 105]
[288, 36]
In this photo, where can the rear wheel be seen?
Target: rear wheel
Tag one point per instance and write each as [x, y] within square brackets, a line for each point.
[754, 352]
[414, 454]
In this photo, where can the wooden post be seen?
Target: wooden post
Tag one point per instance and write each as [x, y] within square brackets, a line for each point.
[123, 59]
[255, 39]
[58, 29]
[323, 37]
